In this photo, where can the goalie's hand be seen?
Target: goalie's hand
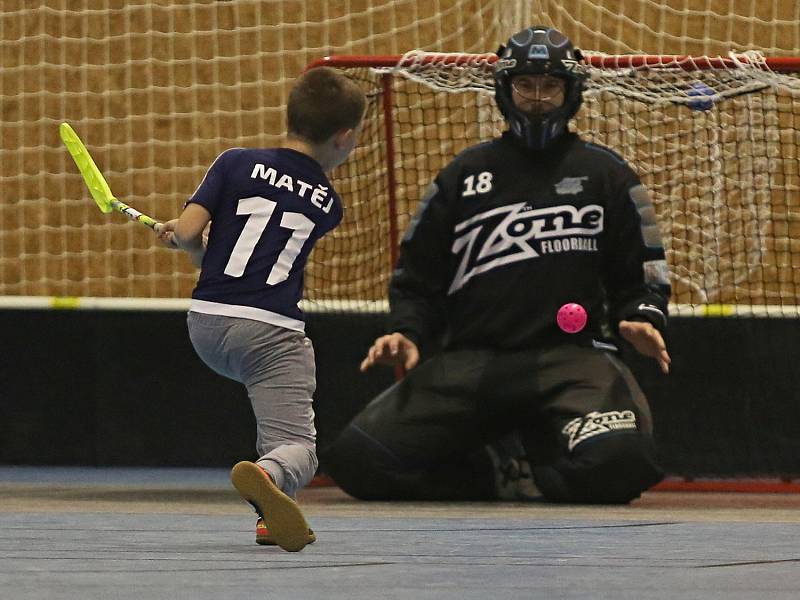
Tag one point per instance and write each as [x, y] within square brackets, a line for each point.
[647, 340]
[393, 349]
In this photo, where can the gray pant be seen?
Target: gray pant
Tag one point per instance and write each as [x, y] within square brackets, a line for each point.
[276, 365]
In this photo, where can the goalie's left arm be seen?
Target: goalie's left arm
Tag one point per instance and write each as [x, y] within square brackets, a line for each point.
[636, 273]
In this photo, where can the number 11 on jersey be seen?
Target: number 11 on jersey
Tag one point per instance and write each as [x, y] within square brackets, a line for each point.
[260, 211]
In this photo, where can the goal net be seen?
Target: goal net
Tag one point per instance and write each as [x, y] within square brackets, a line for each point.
[714, 139]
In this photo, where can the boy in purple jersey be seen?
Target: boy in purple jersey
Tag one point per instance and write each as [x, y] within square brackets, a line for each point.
[266, 208]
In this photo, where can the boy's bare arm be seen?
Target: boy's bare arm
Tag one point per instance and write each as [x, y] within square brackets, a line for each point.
[188, 231]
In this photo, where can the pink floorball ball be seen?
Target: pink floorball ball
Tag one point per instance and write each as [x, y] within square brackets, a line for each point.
[571, 317]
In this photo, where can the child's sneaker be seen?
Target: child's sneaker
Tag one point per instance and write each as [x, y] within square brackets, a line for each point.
[264, 537]
[282, 517]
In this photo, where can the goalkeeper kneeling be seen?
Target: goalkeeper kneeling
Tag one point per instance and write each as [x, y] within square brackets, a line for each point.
[498, 401]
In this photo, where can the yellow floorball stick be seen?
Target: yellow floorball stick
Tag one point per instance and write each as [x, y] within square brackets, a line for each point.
[97, 183]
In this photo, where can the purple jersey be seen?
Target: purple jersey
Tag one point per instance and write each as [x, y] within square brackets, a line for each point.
[268, 207]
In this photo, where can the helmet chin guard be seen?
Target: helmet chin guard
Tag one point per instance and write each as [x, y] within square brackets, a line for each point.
[539, 50]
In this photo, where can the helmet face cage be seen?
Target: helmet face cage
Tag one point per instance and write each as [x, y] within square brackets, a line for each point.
[538, 51]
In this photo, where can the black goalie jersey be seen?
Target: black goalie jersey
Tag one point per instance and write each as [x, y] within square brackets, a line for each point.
[505, 236]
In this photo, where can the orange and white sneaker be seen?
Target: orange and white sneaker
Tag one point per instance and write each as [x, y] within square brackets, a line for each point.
[264, 537]
[280, 514]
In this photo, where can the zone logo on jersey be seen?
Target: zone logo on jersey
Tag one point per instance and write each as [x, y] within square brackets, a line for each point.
[507, 234]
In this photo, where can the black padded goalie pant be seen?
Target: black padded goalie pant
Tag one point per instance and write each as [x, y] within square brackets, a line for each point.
[584, 422]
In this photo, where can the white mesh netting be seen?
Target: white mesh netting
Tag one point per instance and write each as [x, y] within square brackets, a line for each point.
[158, 89]
[714, 139]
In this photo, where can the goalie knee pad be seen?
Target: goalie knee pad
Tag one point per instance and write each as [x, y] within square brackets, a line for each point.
[359, 464]
[609, 469]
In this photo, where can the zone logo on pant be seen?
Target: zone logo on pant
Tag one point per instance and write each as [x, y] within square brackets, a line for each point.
[594, 423]
[506, 234]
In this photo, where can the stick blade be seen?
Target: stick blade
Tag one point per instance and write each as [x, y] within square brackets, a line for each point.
[94, 179]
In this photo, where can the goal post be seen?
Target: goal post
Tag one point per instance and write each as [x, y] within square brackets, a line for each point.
[714, 138]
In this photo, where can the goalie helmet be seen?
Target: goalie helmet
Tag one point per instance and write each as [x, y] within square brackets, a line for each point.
[538, 50]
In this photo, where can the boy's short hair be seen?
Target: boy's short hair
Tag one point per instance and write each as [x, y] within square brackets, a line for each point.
[322, 102]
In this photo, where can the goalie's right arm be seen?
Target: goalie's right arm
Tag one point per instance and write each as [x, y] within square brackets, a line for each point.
[418, 286]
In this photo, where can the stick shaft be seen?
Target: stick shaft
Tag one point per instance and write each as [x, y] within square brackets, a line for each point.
[135, 215]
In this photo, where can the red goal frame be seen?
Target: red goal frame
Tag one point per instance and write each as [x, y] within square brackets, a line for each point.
[686, 62]
[779, 64]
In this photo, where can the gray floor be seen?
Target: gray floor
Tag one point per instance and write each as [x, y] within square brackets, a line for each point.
[171, 533]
